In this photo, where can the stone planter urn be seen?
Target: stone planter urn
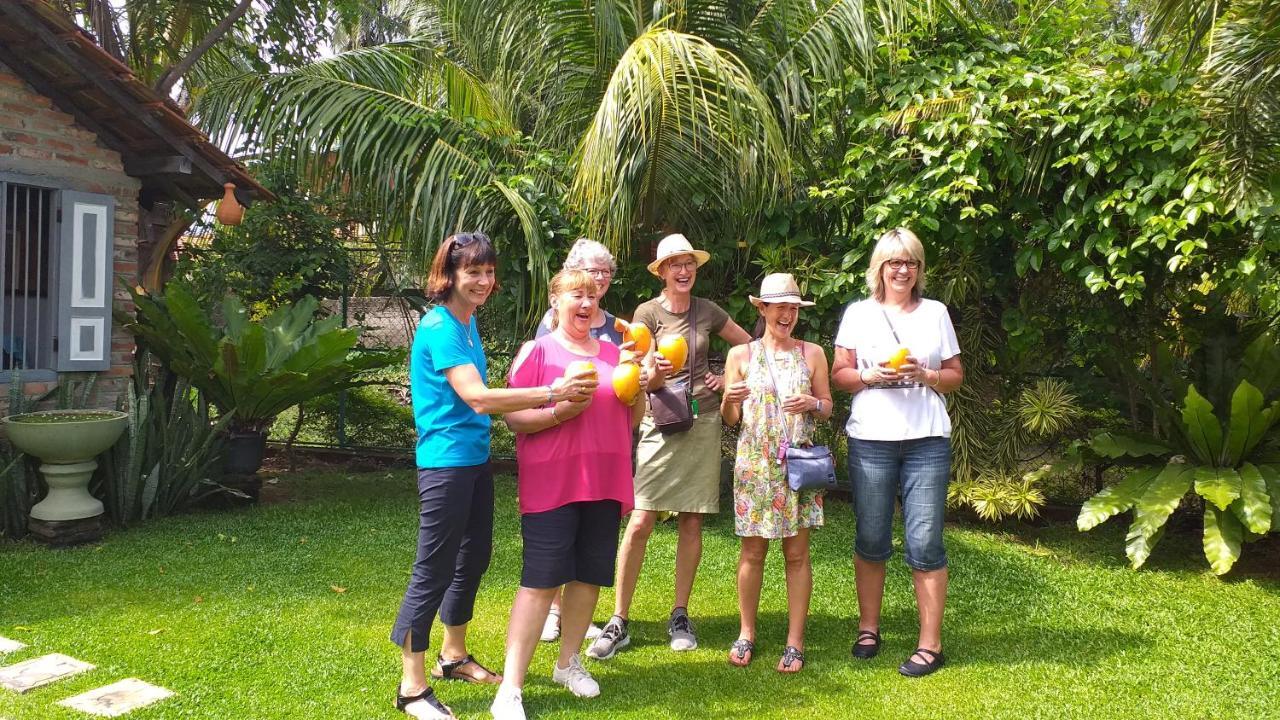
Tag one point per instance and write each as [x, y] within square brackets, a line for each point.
[67, 443]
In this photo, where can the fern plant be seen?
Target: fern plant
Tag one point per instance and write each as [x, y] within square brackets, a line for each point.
[1225, 456]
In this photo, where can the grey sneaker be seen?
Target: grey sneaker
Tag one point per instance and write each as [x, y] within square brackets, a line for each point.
[577, 679]
[613, 638]
[680, 628]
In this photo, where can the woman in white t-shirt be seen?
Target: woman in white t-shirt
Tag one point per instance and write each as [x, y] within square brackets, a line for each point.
[897, 353]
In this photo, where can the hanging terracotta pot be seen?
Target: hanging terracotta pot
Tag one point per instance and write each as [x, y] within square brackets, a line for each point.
[230, 211]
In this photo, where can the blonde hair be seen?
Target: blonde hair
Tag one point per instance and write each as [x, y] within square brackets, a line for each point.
[568, 280]
[586, 250]
[889, 245]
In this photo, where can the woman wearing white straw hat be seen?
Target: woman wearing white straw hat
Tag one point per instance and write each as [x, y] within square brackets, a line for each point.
[678, 471]
[777, 386]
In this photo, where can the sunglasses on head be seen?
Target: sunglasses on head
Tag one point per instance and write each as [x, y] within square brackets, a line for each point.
[462, 240]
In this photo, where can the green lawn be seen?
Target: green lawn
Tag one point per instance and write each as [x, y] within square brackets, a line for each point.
[283, 611]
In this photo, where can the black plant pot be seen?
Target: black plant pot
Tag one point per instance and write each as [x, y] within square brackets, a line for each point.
[244, 452]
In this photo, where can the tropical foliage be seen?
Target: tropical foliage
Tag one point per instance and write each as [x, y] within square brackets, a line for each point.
[636, 116]
[1224, 456]
[253, 370]
[170, 454]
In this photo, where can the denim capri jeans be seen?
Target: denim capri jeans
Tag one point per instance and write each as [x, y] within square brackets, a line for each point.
[918, 470]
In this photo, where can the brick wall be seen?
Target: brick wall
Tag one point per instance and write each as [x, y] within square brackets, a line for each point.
[39, 140]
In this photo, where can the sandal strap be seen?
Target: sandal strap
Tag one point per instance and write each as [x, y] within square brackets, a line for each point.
[791, 654]
[931, 655]
[449, 667]
[742, 646]
[868, 634]
[428, 696]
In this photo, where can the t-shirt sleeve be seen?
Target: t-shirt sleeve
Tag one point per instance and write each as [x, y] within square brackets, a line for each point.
[846, 335]
[544, 327]
[529, 372]
[446, 345]
[950, 346]
[713, 315]
[644, 314]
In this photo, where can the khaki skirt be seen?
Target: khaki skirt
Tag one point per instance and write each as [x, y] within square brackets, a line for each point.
[680, 472]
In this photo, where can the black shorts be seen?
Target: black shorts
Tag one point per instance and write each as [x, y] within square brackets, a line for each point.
[578, 541]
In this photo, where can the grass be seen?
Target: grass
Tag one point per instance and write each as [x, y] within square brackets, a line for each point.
[283, 611]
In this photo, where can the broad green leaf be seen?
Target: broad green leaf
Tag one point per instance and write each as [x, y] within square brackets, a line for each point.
[1115, 499]
[1120, 444]
[1204, 432]
[1161, 497]
[1271, 473]
[1139, 543]
[1220, 486]
[1247, 424]
[1254, 504]
[1222, 536]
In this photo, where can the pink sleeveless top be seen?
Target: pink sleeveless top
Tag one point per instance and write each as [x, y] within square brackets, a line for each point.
[585, 458]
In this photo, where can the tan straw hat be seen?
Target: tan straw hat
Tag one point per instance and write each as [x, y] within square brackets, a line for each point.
[677, 244]
[779, 288]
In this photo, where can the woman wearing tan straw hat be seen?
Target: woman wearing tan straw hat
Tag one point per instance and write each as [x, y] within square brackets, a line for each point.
[777, 386]
[678, 472]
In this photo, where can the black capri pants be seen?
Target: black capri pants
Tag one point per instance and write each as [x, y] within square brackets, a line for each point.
[455, 543]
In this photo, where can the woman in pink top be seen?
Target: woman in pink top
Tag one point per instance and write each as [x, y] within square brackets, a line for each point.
[575, 486]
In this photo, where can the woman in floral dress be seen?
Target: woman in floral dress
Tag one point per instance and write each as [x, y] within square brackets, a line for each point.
[778, 388]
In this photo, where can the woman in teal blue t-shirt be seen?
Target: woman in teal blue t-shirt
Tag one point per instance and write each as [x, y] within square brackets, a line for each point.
[448, 376]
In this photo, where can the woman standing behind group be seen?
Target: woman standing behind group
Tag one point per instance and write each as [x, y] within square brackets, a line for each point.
[897, 353]
[452, 402]
[778, 387]
[596, 260]
[678, 472]
[574, 487]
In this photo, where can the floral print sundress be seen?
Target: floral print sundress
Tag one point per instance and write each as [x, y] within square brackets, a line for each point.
[764, 505]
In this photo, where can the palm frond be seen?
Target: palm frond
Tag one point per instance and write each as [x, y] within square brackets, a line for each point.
[681, 124]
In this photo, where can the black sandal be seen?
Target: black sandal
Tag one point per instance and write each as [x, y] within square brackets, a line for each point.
[448, 670]
[742, 652]
[428, 696]
[863, 651]
[911, 668]
[790, 656]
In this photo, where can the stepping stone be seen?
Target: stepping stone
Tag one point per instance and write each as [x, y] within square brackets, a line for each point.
[8, 646]
[117, 698]
[40, 671]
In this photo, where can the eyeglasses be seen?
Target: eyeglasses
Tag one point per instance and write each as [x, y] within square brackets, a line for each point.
[599, 273]
[900, 264]
[687, 265]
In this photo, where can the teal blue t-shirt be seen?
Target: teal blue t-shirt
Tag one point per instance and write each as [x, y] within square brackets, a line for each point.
[450, 433]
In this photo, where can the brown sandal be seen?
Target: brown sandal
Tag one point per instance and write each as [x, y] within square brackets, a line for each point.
[453, 670]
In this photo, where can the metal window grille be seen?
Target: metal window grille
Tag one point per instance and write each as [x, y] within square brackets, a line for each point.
[28, 305]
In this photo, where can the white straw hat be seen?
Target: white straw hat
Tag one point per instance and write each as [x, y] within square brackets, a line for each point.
[779, 288]
[677, 244]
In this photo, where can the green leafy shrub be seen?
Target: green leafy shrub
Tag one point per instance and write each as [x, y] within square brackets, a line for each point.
[254, 370]
[1225, 456]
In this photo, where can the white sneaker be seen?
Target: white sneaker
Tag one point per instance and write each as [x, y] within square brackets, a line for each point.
[551, 627]
[508, 704]
[577, 679]
[593, 631]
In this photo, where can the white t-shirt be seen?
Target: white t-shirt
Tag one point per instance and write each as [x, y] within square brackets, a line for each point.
[909, 410]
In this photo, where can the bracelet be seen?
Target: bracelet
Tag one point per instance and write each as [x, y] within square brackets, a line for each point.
[554, 418]
[864, 382]
[936, 383]
[818, 408]
[551, 394]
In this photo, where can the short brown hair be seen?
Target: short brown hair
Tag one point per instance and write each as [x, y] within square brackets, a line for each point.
[458, 251]
[568, 280]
